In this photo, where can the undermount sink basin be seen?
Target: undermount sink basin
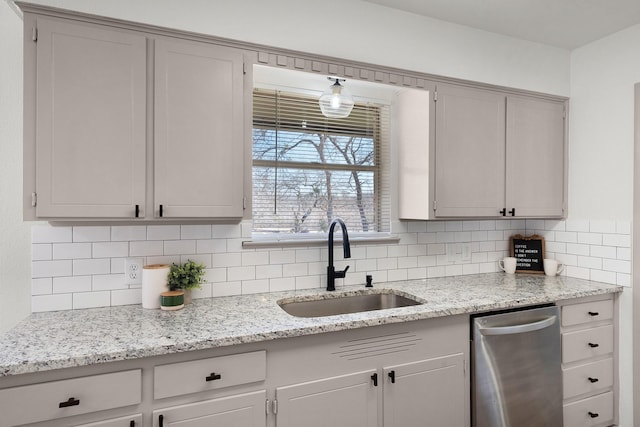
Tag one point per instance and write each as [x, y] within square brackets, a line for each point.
[333, 304]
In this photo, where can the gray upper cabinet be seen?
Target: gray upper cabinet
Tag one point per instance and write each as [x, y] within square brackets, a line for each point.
[122, 124]
[91, 115]
[469, 152]
[498, 155]
[198, 130]
[535, 157]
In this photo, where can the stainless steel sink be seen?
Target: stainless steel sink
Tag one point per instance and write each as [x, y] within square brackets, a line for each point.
[334, 304]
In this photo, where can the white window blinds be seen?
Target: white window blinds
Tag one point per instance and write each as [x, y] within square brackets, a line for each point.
[308, 169]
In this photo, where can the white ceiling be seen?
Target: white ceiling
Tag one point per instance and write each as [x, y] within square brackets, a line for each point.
[562, 23]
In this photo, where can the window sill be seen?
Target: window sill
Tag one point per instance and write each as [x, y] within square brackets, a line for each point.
[272, 242]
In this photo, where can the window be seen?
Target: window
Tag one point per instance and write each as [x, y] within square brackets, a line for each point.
[308, 169]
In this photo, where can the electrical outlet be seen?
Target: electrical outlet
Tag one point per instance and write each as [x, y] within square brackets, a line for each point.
[133, 271]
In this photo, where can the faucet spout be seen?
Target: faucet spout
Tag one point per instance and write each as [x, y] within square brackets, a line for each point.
[332, 274]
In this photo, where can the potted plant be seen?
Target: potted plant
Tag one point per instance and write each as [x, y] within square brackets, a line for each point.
[186, 277]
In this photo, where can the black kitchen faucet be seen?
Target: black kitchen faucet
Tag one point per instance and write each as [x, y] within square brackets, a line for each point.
[332, 274]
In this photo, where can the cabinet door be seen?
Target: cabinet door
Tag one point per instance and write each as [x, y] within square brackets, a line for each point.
[91, 121]
[343, 401]
[131, 421]
[426, 393]
[198, 130]
[535, 157]
[246, 410]
[470, 156]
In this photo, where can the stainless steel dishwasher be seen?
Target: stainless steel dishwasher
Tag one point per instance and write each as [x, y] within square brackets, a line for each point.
[517, 378]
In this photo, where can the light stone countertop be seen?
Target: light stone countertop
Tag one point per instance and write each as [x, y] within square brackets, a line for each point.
[67, 339]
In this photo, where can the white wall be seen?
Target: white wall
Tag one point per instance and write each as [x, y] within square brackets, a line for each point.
[15, 237]
[356, 30]
[603, 75]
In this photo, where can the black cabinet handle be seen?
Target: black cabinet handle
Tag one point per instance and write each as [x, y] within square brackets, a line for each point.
[594, 345]
[593, 313]
[374, 378]
[392, 375]
[213, 377]
[160, 420]
[503, 212]
[71, 402]
[593, 380]
[593, 414]
[161, 209]
[137, 211]
[513, 212]
[132, 423]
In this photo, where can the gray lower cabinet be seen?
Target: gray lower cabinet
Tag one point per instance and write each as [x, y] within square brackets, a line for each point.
[241, 410]
[349, 400]
[130, 421]
[432, 390]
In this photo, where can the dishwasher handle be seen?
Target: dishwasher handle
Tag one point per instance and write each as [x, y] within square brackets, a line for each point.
[519, 329]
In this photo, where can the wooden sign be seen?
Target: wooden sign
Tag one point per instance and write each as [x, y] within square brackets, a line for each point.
[529, 253]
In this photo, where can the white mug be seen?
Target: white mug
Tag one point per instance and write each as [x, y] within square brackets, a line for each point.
[508, 265]
[552, 267]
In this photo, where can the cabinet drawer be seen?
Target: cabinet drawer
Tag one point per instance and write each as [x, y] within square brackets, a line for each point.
[593, 411]
[587, 343]
[58, 399]
[208, 374]
[588, 378]
[577, 314]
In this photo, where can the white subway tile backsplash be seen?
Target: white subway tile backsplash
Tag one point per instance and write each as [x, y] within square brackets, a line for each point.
[282, 284]
[204, 259]
[110, 249]
[205, 291]
[603, 276]
[51, 268]
[163, 232]
[620, 240]
[602, 226]
[42, 286]
[127, 233]
[146, 248]
[126, 297]
[91, 234]
[213, 246]
[310, 282]
[49, 234]
[51, 302]
[619, 266]
[179, 247]
[255, 286]
[41, 251]
[241, 273]
[71, 250]
[83, 267]
[226, 289]
[91, 299]
[107, 282]
[79, 267]
[255, 258]
[194, 232]
[67, 285]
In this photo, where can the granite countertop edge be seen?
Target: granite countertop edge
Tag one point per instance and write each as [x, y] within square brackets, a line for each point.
[74, 338]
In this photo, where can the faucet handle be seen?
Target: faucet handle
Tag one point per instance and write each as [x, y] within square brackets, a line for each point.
[341, 274]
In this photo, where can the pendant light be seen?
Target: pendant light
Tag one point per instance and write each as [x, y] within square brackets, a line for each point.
[336, 102]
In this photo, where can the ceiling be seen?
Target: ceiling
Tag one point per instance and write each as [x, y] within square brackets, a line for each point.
[563, 23]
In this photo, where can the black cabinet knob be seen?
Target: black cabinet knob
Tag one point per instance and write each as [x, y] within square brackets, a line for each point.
[374, 378]
[593, 414]
[392, 375]
[213, 377]
[71, 402]
[593, 380]
[594, 345]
